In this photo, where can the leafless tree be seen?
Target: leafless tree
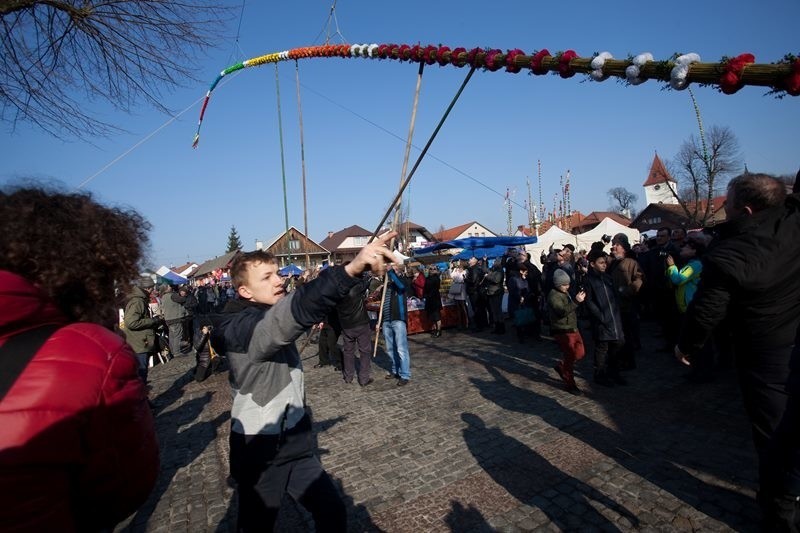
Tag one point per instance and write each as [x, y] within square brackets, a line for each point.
[57, 55]
[622, 201]
[703, 167]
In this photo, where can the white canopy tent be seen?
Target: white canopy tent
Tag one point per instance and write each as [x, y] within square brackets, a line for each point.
[609, 227]
[555, 237]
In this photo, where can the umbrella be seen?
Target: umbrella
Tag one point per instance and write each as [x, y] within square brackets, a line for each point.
[290, 270]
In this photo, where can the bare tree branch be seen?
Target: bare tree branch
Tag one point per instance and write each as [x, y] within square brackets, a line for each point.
[56, 56]
[622, 201]
[700, 177]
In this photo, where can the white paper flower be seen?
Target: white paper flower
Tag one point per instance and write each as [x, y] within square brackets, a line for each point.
[677, 77]
[597, 66]
[633, 71]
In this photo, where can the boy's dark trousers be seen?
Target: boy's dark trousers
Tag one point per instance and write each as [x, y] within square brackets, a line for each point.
[605, 358]
[265, 467]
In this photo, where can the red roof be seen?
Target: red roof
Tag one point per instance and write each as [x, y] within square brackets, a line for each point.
[658, 173]
[596, 217]
[452, 233]
[566, 223]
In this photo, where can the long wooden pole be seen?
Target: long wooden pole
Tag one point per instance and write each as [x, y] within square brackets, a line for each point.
[406, 156]
[303, 166]
[396, 200]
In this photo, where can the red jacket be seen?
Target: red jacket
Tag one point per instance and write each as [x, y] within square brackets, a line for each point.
[78, 449]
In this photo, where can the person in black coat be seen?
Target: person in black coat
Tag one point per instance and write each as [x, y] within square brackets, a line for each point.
[604, 313]
[751, 277]
[433, 300]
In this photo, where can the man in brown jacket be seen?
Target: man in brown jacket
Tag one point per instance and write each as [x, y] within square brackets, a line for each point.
[628, 279]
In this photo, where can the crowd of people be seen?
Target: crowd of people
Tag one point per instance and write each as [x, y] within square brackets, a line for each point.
[73, 400]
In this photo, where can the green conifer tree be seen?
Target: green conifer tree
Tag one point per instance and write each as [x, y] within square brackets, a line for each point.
[234, 242]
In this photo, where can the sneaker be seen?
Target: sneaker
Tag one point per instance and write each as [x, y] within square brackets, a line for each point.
[401, 382]
[572, 388]
[367, 383]
[391, 376]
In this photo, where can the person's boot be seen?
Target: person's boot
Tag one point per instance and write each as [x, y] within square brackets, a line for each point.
[601, 378]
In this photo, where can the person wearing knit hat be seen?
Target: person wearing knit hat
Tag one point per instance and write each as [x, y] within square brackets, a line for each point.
[146, 282]
[621, 239]
[560, 278]
[564, 327]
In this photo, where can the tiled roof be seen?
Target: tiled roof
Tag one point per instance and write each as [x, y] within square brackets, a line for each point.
[222, 261]
[565, 223]
[451, 233]
[333, 242]
[596, 217]
[658, 173]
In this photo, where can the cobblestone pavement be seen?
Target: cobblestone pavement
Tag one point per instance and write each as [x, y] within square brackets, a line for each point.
[483, 439]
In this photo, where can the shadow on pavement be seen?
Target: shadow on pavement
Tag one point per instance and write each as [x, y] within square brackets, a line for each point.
[526, 475]
[636, 436]
[192, 441]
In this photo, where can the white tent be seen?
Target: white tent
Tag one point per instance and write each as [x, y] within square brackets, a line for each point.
[607, 226]
[555, 237]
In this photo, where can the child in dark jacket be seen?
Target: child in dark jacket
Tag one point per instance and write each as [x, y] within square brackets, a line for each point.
[604, 312]
[564, 327]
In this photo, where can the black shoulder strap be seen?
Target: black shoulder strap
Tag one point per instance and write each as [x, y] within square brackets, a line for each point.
[18, 351]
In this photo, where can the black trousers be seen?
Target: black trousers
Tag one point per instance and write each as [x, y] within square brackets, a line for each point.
[329, 352]
[606, 357]
[770, 383]
[266, 467]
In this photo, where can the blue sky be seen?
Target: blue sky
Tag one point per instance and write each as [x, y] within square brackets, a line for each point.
[356, 114]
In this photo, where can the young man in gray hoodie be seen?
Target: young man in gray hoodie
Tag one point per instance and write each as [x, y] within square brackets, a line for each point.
[271, 444]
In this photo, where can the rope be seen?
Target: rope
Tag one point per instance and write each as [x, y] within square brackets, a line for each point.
[406, 156]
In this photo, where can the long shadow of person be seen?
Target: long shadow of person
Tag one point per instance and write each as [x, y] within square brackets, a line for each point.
[462, 518]
[174, 393]
[179, 448]
[526, 475]
[630, 446]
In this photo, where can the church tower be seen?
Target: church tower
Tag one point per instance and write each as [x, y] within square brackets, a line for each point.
[658, 183]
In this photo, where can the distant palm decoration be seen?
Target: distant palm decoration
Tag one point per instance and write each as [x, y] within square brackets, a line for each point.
[234, 242]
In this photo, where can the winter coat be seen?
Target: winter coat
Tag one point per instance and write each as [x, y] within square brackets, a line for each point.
[172, 306]
[685, 281]
[628, 279]
[394, 304]
[78, 450]
[563, 316]
[494, 281]
[352, 311]
[433, 298]
[140, 327]
[604, 312]
[751, 274]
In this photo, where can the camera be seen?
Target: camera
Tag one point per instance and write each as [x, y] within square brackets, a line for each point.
[606, 238]
[663, 253]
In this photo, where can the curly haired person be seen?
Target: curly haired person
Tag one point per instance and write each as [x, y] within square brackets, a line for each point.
[78, 450]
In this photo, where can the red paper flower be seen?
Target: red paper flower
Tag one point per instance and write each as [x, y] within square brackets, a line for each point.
[791, 83]
[564, 69]
[414, 55]
[491, 61]
[731, 80]
[455, 57]
[402, 53]
[429, 54]
[510, 64]
[440, 52]
[472, 56]
[536, 62]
